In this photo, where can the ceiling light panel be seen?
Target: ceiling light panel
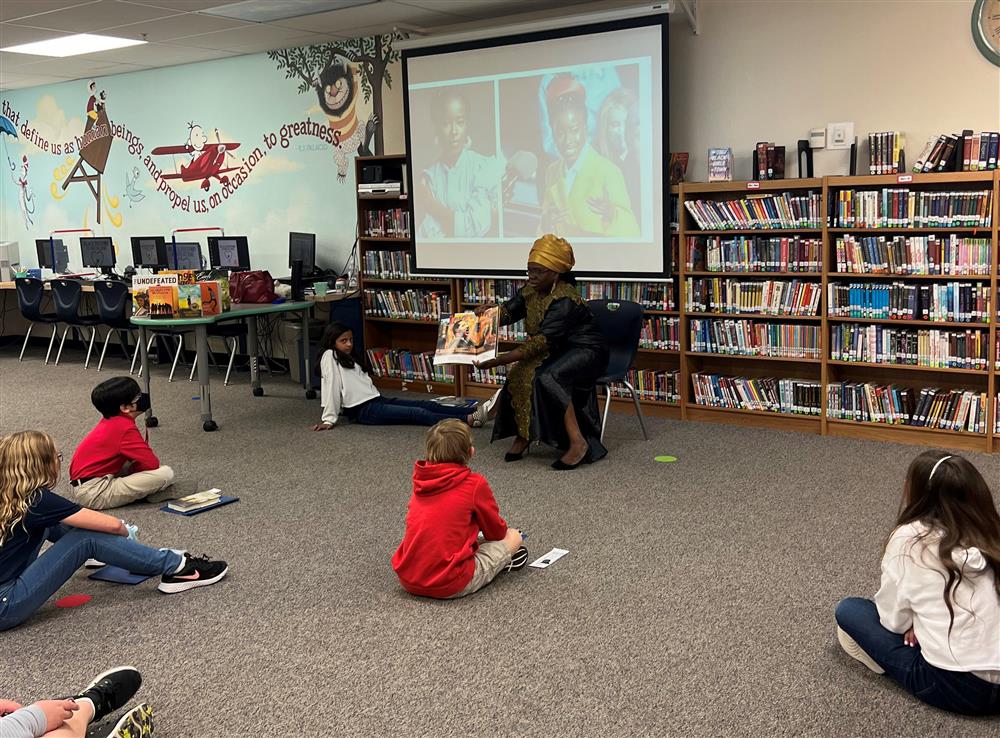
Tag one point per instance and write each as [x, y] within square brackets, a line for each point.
[80, 43]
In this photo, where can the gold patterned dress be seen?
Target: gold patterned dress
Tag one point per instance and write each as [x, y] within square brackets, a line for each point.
[564, 355]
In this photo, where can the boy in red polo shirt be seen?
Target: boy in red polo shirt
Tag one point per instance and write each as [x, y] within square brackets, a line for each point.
[441, 555]
[114, 465]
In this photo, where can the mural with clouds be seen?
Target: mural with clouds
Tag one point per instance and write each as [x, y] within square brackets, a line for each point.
[259, 145]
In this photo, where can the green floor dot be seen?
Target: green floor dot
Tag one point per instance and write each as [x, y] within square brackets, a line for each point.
[665, 459]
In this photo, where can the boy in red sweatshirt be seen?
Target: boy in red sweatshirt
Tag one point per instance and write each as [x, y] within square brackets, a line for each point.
[441, 555]
[114, 465]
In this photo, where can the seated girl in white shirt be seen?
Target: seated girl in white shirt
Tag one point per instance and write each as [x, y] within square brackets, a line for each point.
[934, 626]
[346, 386]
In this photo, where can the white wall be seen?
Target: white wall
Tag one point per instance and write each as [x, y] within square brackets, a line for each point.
[772, 69]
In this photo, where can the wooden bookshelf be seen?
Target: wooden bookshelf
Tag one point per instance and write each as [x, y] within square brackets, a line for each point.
[420, 335]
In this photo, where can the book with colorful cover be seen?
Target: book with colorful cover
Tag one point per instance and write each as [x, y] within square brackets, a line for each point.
[184, 276]
[211, 298]
[163, 301]
[189, 301]
[467, 338]
[720, 165]
[140, 291]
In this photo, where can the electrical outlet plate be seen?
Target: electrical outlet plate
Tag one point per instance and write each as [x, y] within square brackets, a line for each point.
[839, 135]
[817, 138]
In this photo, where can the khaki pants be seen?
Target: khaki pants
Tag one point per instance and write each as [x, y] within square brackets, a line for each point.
[106, 492]
[491, 559]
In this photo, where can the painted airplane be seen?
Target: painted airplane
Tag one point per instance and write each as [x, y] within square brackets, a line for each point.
[206, 160]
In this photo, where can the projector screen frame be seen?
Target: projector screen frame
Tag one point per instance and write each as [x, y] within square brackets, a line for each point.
[660, 19]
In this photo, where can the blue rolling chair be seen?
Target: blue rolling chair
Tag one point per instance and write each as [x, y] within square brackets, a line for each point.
[30, 292]
[621, 323]
[114, 306]
[66, 294]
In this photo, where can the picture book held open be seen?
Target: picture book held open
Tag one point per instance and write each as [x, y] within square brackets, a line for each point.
[466, 338]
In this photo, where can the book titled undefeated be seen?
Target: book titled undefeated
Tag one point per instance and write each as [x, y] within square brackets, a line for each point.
[195, 501]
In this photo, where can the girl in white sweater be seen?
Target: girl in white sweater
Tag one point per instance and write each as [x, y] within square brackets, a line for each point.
[934, 626]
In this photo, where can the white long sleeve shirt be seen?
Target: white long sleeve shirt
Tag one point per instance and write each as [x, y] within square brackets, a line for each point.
[341, 388]
[912, 596]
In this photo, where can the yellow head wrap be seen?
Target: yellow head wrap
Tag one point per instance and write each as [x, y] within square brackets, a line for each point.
[552, 253]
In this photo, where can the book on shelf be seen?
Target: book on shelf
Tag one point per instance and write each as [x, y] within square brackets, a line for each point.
[929, 407]
[650, 384]
[896, 207]
[496, 376]
[651, 295]
[407, 365]
[884, 149]
[770, 161]
[913, 255]
[782, 210]
[678, 166]
[764, 394]
[409, 304]
[387, 264]
[956, 302]
[967, 151]
[720, 165]
[195, 501]
[514, 332]
[765, 297]
[467, 338]
[754, 254]
[926, 347]
[744, 337]
[388, 223]
[490, 291]
[660, 332]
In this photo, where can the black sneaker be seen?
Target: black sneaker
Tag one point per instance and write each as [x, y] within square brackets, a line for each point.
[135, 723]
[197, 572]
[518, 559]
[111, 690]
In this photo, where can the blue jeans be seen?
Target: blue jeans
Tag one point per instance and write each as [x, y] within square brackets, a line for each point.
[955, 691]
[397, 411]
[71, 547]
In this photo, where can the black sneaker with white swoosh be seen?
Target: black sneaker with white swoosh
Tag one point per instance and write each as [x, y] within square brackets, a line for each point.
[197, 572]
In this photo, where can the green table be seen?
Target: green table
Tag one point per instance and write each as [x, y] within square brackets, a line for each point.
[247, 313]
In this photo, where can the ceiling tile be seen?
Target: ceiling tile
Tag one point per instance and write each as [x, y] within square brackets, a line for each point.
[13, 81]
[383, 14]
[488, 8]
[9, 60]
[14, 35]
[156, 55]
[97, 16]
[184, 5]
[11, 9]
[254, 37]
[70, 66]
[176, 26]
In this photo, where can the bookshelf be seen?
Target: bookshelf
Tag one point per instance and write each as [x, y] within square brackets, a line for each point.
[783, 292]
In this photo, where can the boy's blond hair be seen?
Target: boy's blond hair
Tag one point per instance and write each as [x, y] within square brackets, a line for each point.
[450, 441]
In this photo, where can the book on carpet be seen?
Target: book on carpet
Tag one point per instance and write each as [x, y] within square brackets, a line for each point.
[467, 338]
[197, 511]
[195, 501]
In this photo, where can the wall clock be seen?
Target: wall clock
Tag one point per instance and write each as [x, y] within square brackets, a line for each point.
[986, 28]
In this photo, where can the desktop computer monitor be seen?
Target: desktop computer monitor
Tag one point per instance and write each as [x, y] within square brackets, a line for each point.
[184, 255]
[302, 247]
[149, 252]
[49, 248]
[10, 260]
[229, 252]
[98, 253]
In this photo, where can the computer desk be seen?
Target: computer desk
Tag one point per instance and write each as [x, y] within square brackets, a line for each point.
[245, 312]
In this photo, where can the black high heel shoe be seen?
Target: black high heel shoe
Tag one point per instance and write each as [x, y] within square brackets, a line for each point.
[560, 465]
[510, 456]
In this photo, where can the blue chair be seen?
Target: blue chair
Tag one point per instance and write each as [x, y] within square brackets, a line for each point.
[30, 293]
[114, 306]
[621, 323]
[66, 294]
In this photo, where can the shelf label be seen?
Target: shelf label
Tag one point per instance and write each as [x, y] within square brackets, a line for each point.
[903, 178]
[753, 185]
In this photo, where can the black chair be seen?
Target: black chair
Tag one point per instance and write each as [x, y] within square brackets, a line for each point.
[621, 323]
[66, 294]
[114, 306]
[30, 292]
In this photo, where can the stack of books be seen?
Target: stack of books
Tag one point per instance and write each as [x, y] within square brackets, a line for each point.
[195, 501]
[884, 150]
[882, 344]
[651, 295]
[658, 386]
[922, 255]
[754, 254]
[489, 291]
[895, 207]
[402, 364]
[956, 302]
[387, 264]
[753, 338]
[764, 394]
[955, 410]
[391, 223]
[407, 305]
[660, 332]
[782, 210]
[764, 297]
[966, 151]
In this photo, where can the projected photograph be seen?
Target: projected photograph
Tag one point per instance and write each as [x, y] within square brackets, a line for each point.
[457, 175]
[574, 142]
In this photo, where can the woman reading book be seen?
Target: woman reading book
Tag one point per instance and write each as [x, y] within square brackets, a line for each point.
[551, 394]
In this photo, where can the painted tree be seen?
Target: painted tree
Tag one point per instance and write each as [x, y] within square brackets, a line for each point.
[373, 54]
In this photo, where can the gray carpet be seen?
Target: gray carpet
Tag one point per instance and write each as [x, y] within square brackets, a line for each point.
[697, 598]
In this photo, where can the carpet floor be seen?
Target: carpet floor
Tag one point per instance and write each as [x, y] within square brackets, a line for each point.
[697, 598]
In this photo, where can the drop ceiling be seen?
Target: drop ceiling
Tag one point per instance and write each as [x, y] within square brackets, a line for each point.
[179, 32]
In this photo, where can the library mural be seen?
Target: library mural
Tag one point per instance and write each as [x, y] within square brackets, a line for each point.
[187, 147]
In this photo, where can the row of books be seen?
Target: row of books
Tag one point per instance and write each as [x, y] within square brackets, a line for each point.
[497, 375]
[765, 297]
[403, 364]
[176, 294]
[935, 348]
[661, 332]
[489, 291]
[407, 304]
[649, 384]
[780, 210]
[770, 160]
[390, 223]
[387, 264]
[513, 332]
[754, 254]
[952, 254]
[930, 407]
[764, 394]
[753, 338]
[883, 152]
[651, 295]
[960, 302]
[895, 207]
[976, 152]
